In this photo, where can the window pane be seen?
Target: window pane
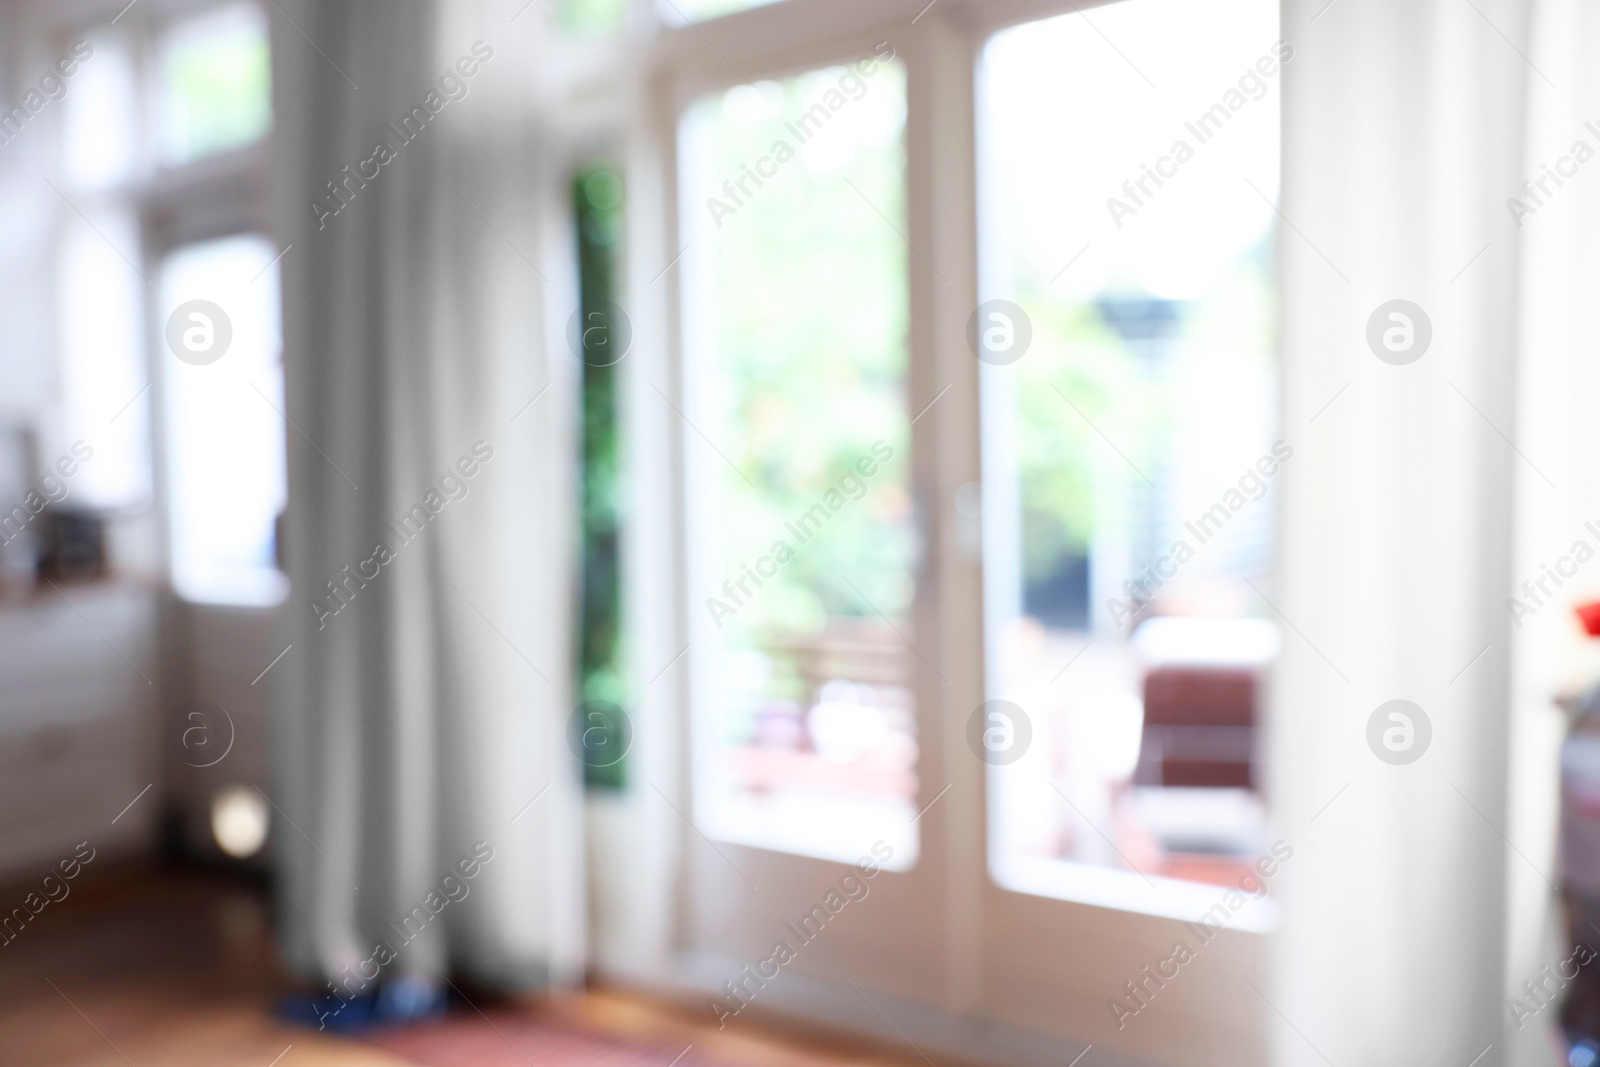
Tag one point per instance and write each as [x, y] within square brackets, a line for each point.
[100, 129]
[214, 83]
[224, 428]
[796, 363]
[681, 11]
[103, 367]
[597, 195]
[590, 18]
[1130, 450]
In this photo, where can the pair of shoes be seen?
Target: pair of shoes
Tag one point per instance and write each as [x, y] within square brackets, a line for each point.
[391, 1002]
[410, 998]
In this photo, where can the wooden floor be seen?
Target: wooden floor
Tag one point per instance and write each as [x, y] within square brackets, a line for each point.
[151, 967]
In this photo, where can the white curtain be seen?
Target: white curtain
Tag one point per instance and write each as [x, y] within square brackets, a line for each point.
[1404, 132]
[420, 709]
[1560, 506]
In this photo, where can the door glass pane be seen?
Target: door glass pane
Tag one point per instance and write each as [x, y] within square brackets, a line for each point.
[1129, 168]
[800, 509]
[222, 372]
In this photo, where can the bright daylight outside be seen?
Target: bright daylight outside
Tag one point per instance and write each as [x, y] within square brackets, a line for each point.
[225, 465]
[796, 333]
[1130, 454]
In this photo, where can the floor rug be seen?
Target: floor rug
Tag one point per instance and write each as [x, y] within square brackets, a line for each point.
[502, 1038]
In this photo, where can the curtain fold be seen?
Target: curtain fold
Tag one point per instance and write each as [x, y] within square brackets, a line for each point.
[425, 801]
[1404, 130]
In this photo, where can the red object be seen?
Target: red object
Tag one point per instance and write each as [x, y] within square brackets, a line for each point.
[1589, 615]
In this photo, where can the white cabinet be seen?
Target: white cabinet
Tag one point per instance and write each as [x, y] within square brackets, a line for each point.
[79, 722]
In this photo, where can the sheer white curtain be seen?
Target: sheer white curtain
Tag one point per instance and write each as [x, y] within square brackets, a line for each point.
[421, 706]
[1404, 132]
[1559, 381]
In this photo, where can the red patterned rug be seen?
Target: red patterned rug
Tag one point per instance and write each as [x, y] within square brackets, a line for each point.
[502, 1038]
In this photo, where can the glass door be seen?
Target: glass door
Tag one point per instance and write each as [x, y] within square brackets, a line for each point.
[1128, 174]
[975, 409]
[808, 718]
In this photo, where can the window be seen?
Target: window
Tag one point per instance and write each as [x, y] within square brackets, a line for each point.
[100, 278]
[1131, 449]
[796, 282]
[213, 84]
[148, 98]
[101, 143]
[222, 380]
[104, 380]
[825, 256]
[597, 201]
[579, 19]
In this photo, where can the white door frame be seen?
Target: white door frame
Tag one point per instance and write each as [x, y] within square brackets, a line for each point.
[1017, 977]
